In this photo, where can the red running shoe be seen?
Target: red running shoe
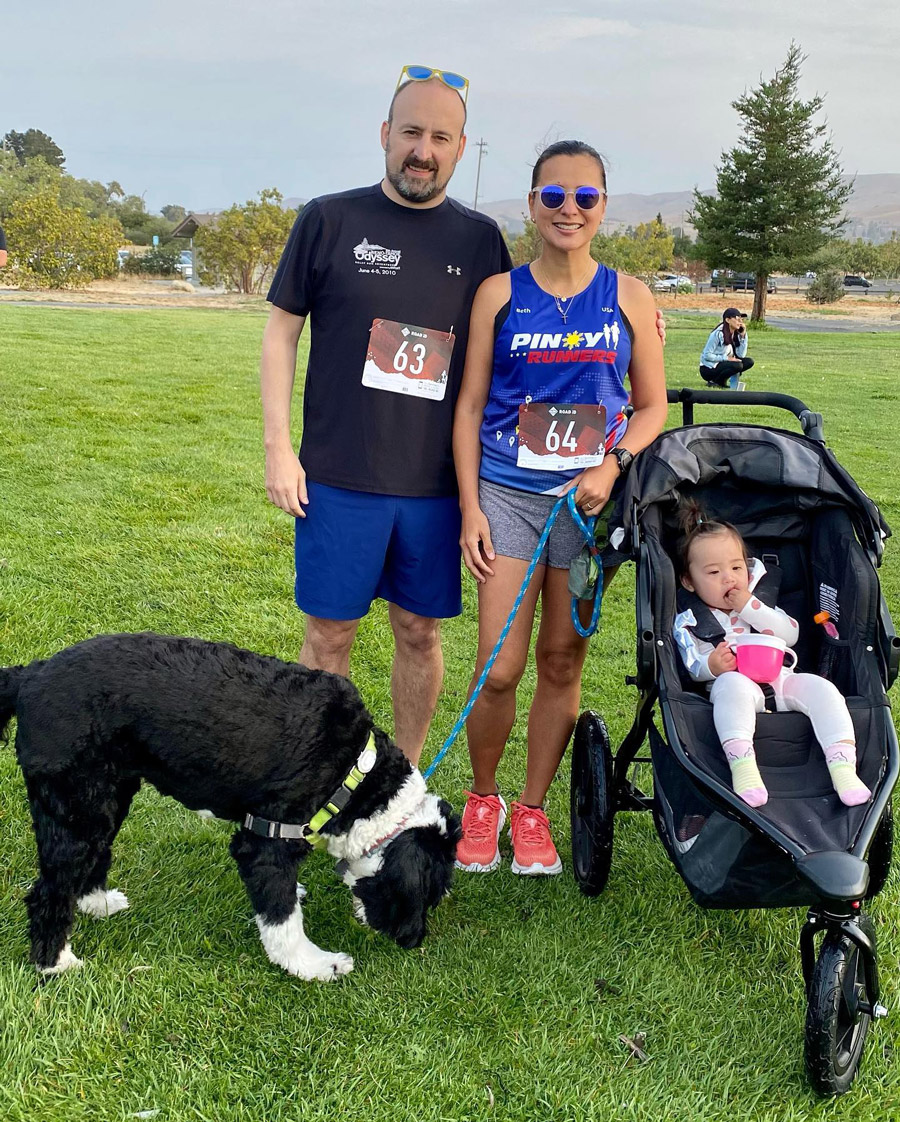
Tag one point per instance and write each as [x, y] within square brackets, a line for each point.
[534, 853]
[482, 821]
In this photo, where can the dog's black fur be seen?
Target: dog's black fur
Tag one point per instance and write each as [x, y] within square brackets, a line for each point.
[217, 728]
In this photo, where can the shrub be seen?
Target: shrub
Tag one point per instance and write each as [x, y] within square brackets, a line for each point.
[826, 288]
[159, 261]
[242, 249]
[51, 246]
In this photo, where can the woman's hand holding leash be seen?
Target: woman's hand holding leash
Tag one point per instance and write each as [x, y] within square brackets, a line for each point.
[594, 485]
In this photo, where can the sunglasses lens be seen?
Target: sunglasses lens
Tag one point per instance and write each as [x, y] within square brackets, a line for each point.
[586, 198]
[456, 81]
[552, 197]
[419, 73]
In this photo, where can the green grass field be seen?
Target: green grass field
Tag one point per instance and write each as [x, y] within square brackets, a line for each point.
[132, 499]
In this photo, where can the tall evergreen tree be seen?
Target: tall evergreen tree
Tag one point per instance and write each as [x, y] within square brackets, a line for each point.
[780, 195]
[34, 143]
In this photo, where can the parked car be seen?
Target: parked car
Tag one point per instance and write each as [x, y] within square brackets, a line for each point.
[185, 265]
[670, 282]
[810, 275]
[743, 282]
[851, 280]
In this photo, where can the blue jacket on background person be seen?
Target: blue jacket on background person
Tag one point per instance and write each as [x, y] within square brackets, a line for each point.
[715, 349]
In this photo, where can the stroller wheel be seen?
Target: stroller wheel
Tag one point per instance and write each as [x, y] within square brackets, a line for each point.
[836, 1025]
[591, 804]
[880, 853]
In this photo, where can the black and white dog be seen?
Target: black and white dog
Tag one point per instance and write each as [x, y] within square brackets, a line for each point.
[289, 753]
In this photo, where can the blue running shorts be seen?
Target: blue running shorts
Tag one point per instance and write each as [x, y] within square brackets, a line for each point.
[354, 547]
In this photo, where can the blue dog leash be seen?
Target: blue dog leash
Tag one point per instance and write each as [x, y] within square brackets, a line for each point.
[587, 529]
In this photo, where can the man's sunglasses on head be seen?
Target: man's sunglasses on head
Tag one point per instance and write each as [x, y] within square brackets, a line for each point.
[586, 198]
[423, 73]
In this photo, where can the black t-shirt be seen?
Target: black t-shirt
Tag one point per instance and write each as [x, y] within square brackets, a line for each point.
[357, 256]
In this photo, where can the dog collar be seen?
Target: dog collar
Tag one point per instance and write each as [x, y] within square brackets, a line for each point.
[309, 831]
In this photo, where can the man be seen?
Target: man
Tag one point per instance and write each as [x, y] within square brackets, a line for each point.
[387, 275]
[2, 248]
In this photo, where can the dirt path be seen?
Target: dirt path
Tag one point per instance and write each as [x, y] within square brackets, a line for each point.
[132, 293]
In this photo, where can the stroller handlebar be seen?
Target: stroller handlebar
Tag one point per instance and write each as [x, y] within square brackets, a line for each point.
[810, 422]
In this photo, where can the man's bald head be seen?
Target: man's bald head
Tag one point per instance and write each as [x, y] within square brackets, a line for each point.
[406, 85]
[423, 139]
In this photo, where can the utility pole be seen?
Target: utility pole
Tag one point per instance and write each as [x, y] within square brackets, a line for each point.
[481, 145]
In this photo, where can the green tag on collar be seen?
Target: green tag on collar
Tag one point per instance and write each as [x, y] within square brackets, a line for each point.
[356, 775]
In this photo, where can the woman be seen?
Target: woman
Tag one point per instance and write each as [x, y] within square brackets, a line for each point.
[549, 345]
[724, 357]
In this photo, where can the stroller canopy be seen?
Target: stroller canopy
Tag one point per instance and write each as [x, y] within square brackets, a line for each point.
[789, 474]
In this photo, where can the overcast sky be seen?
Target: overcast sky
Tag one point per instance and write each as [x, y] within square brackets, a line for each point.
[204, 103]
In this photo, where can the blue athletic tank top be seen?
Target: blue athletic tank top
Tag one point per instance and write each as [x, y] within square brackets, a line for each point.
[539, 358]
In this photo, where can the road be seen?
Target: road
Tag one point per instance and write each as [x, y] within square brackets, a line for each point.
[879, 287]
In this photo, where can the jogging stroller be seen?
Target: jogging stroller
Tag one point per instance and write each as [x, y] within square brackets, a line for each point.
[799, 510]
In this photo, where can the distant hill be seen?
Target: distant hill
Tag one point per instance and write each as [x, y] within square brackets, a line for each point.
[873, 210]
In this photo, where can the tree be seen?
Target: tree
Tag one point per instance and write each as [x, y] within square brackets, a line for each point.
[21, 181]
[242, 248]
[827, 288]
[137, 222]
[890, 257]
[173, 213]
[25, 145]
[682, 245]
[525, 247]
[780, 196]
[51, 246]
[860, 257]
[642, 252]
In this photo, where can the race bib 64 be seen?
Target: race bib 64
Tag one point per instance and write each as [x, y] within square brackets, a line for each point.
[561, 437]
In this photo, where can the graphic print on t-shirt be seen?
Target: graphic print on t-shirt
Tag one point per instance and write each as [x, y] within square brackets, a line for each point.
[355, 257]
[540, 361]
[403, 358]
[376, 258]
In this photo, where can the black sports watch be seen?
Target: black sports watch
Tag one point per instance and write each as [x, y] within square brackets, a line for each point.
[624, 459]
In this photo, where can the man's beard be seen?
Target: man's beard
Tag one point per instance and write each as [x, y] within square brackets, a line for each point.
[412, 189]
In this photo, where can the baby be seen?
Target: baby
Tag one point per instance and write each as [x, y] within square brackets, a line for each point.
[715, 566]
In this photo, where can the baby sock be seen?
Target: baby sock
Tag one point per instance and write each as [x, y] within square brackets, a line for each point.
[745, 777]
[841, 760]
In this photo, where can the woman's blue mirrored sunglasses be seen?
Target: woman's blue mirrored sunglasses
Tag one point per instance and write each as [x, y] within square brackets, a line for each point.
[586, 198]
[423, 73]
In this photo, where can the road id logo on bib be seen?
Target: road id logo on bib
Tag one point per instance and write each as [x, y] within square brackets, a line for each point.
[561, 437]
[403, 358]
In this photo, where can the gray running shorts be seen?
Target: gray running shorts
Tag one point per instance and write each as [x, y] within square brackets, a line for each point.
[517, 518]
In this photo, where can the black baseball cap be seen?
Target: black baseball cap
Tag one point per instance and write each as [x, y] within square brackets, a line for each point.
[729, 312]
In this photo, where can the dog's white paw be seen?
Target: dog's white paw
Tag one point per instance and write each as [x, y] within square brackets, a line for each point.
[103, 902]
[205, 814]
[319, 966]
[66, 961]
[301, 891]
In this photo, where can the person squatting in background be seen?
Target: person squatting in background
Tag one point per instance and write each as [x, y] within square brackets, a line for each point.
[724, 357]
